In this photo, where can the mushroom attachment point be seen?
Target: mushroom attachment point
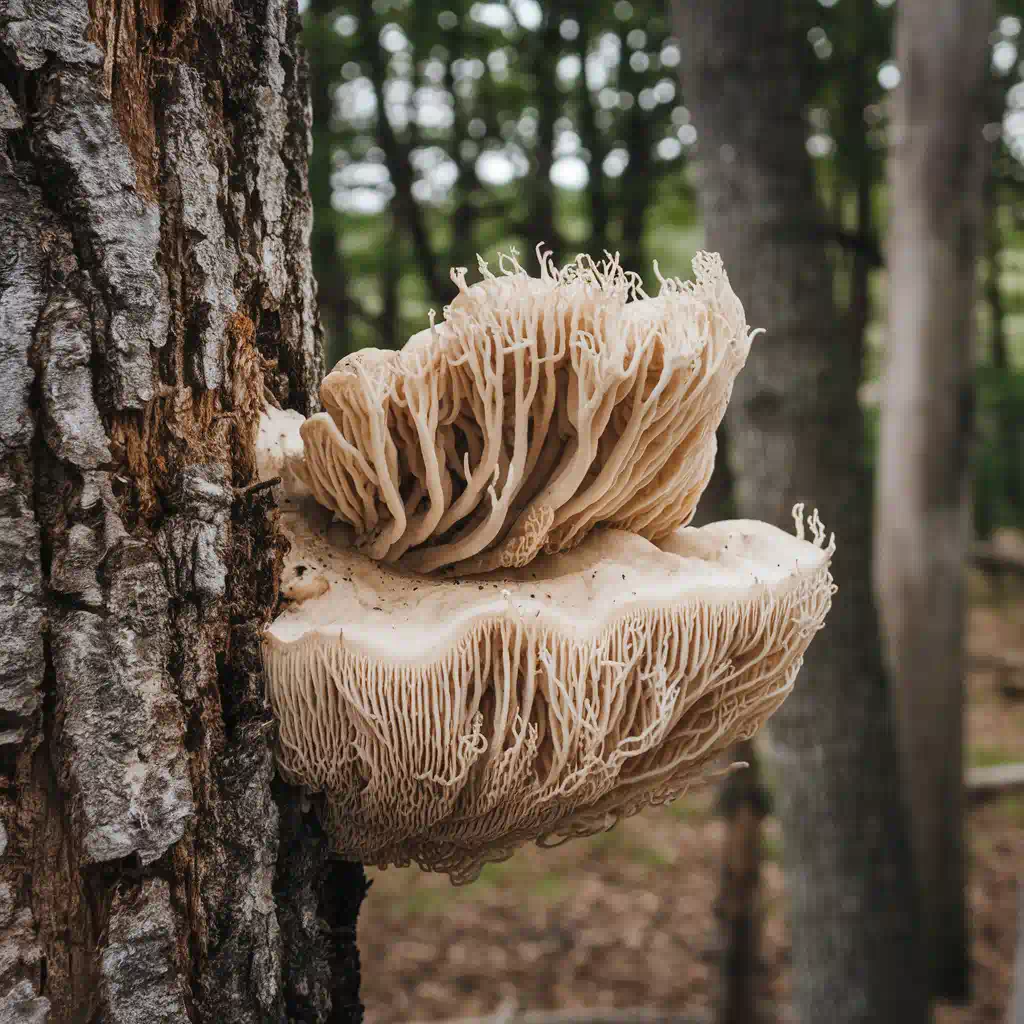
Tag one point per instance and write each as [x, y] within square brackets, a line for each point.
[535, 410]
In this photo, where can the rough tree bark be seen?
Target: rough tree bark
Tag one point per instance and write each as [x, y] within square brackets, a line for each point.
[155, 280]
[922, 512]
[795, 434]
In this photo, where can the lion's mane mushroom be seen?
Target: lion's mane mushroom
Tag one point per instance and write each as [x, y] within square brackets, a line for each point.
[535, 410]
[447, 722]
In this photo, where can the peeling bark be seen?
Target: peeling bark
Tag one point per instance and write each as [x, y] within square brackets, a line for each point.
[155, 281]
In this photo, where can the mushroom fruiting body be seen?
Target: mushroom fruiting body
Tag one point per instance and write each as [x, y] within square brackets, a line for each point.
[594, 656]
[535, 410]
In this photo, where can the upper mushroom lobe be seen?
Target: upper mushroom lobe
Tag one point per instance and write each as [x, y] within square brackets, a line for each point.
[535, 410]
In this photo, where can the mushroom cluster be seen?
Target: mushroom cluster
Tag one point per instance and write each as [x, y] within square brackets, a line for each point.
[497, 626]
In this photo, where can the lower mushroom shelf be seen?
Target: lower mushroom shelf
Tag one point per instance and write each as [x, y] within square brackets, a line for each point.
[447, 722]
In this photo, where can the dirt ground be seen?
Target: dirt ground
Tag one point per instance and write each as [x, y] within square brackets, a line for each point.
[624, 919]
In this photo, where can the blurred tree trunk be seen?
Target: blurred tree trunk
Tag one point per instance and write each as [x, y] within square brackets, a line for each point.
[389, 321]
[855, 98]
[155, 281]
[743, 802]
[396, 154]
[333, 293]
[999, 354]
[795, 431]
[936, 181]
[636, 187]
[587, 17]
[1015, 1011]
[541, 193]
[995, 107]
[860, 270]
[466, 190]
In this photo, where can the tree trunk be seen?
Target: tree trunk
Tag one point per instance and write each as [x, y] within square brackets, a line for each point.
[155, 281]
[923, 513]
[637, 186]
[406, 210]
[465, 193]
[587, 16]
[999, 356]
[743, 802]
[328, 263]
[795, 432]
[860, 270]
[541, 190]
[1015, 1011]
[856, 94]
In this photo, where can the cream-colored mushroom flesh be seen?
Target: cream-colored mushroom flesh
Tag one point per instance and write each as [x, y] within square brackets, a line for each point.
[446, 722]
[536, 409]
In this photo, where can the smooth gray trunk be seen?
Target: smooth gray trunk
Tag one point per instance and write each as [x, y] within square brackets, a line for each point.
[922, 512]
[795, 434]
[155, 281]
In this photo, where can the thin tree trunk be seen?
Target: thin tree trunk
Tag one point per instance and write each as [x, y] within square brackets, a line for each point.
[391, 303]
[923, 513]
[408, 211]
[855, 99]
[156, 279]
[999, 353]
[541, 193]
[587, 17]
[743, 801]
[860, 271]
[637, 184]
[465, 191]
[328, 265]
[795, 431]
[1015, 1011]
[995, 105]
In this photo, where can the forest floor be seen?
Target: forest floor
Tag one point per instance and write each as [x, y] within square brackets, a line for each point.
[624, 919]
